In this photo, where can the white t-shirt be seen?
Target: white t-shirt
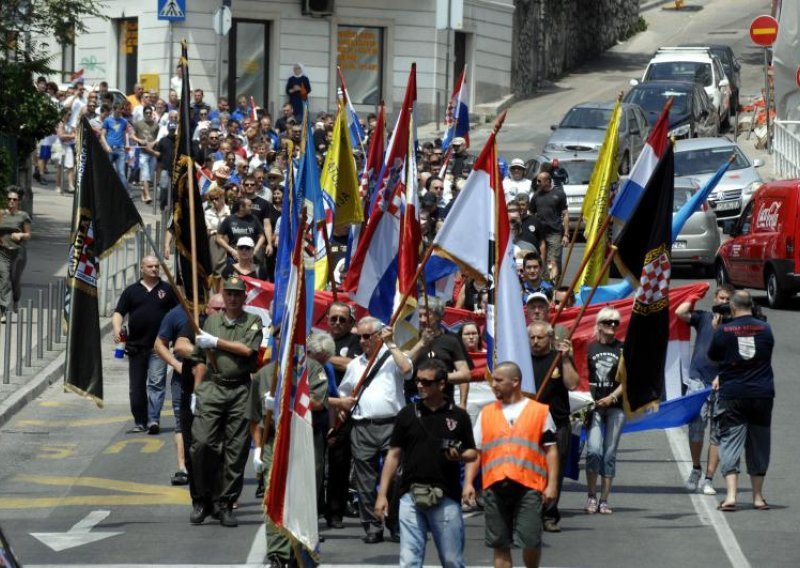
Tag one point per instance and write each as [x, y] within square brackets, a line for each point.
[514, 187]
[512, 412]
[384, 397]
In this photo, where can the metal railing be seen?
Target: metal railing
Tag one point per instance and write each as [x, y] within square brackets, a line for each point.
[786, 149]
[36, 329]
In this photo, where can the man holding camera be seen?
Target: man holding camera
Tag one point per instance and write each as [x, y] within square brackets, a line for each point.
[743, 349]
[431, 439]
[702, 375]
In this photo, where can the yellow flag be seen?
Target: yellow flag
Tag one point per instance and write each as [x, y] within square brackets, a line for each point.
[339, 177]
[595, 205]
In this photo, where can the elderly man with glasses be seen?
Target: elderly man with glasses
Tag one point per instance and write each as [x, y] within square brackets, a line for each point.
[374, 407]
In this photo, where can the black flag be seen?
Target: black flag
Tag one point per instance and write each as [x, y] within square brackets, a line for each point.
[103, 215]
[644, 250]
[183, 183]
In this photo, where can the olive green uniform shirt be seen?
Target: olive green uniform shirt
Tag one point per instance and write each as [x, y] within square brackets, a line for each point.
[247, 329]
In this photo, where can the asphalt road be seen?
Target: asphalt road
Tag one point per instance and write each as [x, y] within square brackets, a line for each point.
[76, 490]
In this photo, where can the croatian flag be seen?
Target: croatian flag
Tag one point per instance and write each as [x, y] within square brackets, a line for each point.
[357, 135]
[372, 274]
[631, 190]
[457, 117]
[291, 501]
[203, 180]
[476, 238]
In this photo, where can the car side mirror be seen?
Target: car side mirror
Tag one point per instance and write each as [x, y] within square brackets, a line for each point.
[633, 82]
[758, 162]
[554, 127]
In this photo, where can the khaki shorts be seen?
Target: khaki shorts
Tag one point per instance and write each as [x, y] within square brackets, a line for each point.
[513, 516]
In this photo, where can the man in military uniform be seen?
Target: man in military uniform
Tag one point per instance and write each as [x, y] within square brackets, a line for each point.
[226, 352]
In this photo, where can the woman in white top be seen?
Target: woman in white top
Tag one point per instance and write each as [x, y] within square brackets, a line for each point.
[216, 211]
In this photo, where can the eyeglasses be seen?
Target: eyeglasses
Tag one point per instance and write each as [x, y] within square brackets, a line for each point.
[242, 247]
[215, 199]
[249, 184]
[425, 383]
[610, 323]
[366, 336]
[213, 137]
[337, 319]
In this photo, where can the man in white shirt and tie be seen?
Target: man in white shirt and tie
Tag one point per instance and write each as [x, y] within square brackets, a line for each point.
[374, 412]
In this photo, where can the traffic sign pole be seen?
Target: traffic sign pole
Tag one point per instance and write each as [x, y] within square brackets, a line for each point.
[764, 32]
[766, 99]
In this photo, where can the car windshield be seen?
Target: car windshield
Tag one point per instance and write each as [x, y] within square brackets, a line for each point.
[708, 160]
[694, 71]
[652, 100]
[681, 196]
[577, 172]
[596, 118]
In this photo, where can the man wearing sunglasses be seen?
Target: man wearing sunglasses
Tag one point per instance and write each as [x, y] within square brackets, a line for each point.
[431, 438]
[374, 409]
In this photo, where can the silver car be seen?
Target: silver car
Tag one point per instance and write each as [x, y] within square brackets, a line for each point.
[698, 241]
[583, 128]
[572, 174]
[699, 158]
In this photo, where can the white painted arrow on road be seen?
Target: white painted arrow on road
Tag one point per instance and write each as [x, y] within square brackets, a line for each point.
[78, 535]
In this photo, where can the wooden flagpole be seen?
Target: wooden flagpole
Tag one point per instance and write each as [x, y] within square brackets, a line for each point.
[557, 358]
[323, 228]
[569, 253]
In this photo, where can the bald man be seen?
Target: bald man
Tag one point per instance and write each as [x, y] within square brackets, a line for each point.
[145, 304]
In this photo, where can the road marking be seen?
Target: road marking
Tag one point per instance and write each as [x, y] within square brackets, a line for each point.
[149, 445]
[137, 493]
[57, 451]
[705, 506]
[258, 550]
[78, 535]
[82, 421]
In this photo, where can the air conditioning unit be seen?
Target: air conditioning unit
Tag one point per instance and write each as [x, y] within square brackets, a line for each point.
[318, 7]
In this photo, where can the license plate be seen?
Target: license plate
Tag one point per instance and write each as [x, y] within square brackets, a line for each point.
[679, 245]
[727, 205]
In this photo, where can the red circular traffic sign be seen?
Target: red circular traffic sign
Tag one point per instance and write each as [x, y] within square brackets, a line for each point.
[764, 31]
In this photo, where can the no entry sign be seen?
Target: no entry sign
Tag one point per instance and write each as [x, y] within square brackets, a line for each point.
[764, 31]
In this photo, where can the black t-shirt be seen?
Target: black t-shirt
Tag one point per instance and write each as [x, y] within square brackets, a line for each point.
[230, 270]
[145, 310]
[346, 346]
[187, 377]
[235, 227]
[529, 231]
[260, 209]
[423, 459]
[603, 360]
[446, 348]
[547, 207]
[555, 393]
[338, 253]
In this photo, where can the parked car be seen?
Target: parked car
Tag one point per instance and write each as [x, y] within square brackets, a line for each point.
[697, 244]
[763, 250]
[693, 64]
[572, 173]
[700, 158]
[583, 129]
[691, 116]
[731, 66]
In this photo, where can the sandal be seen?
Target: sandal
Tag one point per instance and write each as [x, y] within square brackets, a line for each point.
[763, 507]
[726, 507]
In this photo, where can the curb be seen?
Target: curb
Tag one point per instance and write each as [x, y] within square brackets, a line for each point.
[38, 383]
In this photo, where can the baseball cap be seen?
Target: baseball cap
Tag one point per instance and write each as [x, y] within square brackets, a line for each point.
[275, 172]
[234, 283]
[541, 296]
[458, 141]
[245, 242]
[517, 163]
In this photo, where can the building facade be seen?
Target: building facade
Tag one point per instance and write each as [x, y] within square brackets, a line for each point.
[374, 41]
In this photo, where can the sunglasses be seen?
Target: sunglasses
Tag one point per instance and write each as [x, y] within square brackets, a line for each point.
[337, 319]
[249, 184]
[367, 336]
[215, 199]
[610, 323]
[244, 248]
[425, 383]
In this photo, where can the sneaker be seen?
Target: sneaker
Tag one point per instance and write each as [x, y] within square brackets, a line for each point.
[153, 428]
[693, 480]
[591, 505]
[707, 487]
[604, 509]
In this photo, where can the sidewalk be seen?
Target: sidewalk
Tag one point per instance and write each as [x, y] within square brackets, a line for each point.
[47, 254]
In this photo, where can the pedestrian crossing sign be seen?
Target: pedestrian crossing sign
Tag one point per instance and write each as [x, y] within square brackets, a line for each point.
[172, 10]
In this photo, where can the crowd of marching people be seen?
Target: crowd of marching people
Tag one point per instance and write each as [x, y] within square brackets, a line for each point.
[406, 437]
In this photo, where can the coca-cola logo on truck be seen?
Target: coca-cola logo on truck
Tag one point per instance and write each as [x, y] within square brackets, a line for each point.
[767, 218]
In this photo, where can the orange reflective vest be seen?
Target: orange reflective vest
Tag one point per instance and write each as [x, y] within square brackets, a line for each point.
[514, 452]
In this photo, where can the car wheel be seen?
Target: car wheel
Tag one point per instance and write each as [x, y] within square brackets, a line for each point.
[625, 164]
[721, 274]
[776, 297]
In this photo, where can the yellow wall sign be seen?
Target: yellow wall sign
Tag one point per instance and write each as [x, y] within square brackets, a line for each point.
[149, 81]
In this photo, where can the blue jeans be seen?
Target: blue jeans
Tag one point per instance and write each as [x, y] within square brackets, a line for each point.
[445, 524]
[601, 448]
[118, 157]
[156, 387]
